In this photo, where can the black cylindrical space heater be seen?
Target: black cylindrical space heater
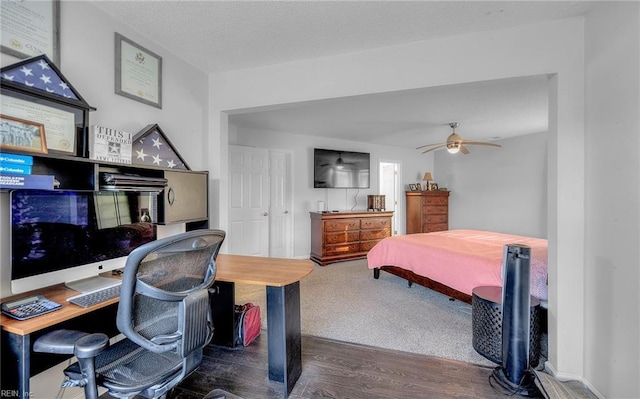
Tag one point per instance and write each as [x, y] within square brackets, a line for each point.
[514, 373]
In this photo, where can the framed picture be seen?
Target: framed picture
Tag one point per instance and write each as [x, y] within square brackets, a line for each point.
[22, 135]
[59, 121]
[138, 72]
[433, 187]
[412, 187]
[31, 28]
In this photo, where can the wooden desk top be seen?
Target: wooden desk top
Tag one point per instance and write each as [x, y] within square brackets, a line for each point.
[276, 272]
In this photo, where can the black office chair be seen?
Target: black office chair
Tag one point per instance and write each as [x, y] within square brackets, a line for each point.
[164, 314]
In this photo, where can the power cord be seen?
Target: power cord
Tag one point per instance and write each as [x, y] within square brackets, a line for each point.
[355, 199]
[501, 389]
[541, 385]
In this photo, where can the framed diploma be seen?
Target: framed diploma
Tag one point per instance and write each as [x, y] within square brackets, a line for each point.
[59, 124]
[138, 72]
[30, 28]
[21, 134]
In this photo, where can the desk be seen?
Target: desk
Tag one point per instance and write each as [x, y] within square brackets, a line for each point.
[281, 277]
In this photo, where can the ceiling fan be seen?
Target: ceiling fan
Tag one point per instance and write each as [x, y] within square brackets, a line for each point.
[454, 143]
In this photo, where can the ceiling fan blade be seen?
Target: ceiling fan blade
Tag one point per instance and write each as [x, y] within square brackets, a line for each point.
[463, 149]
[433, 148]
[428, 145]
[481, 143]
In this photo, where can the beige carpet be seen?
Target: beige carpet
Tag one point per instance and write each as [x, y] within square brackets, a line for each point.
[343, 301]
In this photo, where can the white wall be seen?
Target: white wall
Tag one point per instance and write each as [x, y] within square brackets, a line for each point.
[498, 189]
[552, 48]
[306, 197]
[87, 60]
[612, 261]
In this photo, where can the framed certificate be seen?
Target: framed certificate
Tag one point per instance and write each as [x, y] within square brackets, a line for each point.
[31, 28]
[138, 72]
[59, 125]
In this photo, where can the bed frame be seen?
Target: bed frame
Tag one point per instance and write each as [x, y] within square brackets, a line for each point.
[411, 278]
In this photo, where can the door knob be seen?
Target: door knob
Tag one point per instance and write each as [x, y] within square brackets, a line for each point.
[286, 211]
[265, 214]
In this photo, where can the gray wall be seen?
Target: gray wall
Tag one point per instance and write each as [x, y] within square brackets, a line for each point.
[498, 189]
[612, 199]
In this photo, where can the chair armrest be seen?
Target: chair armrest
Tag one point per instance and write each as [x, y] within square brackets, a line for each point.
[61, 342]
[71, 342]
[91, 345]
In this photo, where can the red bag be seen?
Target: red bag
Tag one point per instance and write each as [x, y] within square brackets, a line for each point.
[247, 323]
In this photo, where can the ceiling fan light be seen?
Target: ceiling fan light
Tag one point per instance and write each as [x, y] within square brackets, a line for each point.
[453, 146]
[453, 149]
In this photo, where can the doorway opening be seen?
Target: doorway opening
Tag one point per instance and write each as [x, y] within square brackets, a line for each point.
[389, 184]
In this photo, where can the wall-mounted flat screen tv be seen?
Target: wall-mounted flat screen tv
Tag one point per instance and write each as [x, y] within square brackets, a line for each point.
[340, 169]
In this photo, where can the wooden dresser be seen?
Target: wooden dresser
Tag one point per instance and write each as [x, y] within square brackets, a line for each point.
[427, 211]
[340, 236]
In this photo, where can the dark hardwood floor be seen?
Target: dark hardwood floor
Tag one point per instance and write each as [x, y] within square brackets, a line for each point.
[333, 369]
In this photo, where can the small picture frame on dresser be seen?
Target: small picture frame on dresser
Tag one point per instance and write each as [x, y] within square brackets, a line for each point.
[412, 187]
[433, 186]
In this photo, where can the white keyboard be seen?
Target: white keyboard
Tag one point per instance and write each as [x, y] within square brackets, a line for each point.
[95, 297]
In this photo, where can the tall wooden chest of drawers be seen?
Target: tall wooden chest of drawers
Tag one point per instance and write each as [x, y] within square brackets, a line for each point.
[427, 211]
[340, 236]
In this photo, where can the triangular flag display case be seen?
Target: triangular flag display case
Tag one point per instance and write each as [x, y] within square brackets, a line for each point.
[151, 147]
[35, 91]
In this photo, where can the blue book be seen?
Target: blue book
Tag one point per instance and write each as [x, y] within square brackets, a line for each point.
[16, 159]
[14, 181]
[15, 168]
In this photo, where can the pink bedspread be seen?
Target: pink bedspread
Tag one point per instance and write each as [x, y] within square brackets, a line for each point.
[460, 259]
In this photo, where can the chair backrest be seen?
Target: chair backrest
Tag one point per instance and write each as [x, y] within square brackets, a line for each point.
[164, 302]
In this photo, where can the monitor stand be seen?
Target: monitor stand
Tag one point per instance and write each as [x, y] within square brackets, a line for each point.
[90, 284]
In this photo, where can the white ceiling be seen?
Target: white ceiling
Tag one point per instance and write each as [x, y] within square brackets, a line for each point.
[217, 36]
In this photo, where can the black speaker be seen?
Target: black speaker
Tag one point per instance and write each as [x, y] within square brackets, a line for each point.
[514, 374]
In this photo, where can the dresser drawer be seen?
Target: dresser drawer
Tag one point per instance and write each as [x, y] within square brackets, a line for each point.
[365, 246]
[434, 218]
[341, 249]
[374, 234]
[342, 225]
[435, 200]
[342, 237]
[436, 209]
[375, 223]
[428, 228]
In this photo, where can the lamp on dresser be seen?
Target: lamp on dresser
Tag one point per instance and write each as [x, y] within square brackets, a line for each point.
[427, 177]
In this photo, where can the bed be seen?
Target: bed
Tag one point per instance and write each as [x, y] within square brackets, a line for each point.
[454, 262]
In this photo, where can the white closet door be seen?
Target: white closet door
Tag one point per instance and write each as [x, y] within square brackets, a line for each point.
[248, 201]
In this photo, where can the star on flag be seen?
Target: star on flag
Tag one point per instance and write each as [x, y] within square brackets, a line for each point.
[38, 74]
[154, 149]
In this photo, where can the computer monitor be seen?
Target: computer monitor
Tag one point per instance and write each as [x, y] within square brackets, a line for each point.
[72, 236]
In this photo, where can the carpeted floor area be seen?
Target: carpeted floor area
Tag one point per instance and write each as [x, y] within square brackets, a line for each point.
[343, 301]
